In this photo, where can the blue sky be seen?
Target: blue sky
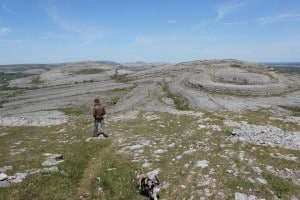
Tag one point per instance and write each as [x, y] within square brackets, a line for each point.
[53, 31]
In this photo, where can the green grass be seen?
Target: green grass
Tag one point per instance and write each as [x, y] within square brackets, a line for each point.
[90, 71]
[115, 180]
[236, 65]
[36, 80]
[179, 102]
[120, 78]
[116, 94]
[97, 168]
[6, 77]
[279, 186]
[294, 109]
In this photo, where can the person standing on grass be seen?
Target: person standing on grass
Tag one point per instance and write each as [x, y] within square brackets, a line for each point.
[98, 114]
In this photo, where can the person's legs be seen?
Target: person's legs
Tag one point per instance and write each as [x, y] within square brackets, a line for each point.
[95, 129]
[102, 123]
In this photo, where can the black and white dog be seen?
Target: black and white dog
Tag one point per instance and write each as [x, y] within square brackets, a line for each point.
[148, 186]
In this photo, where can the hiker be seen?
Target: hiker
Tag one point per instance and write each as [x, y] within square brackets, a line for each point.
[98, 113]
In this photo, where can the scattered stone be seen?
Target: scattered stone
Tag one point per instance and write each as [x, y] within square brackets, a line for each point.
[200, 126]
[262, 180]
[3, 134]
[286, 157]
[62, 130]
[147, 164]
[267, 135]
[190, 151]
[257, 170]
[286, 173]
[52, 169]
[39, 118]
[33, 171]
[206, 180]
[202, 163]
[4, 184]
[5, 168]
[3, 176]
[19, 177]
[242, 196]
[215, 127]
[171, 145]
[294, 198]
[14, 152]
[221, 194]
[52, 159]
[251, 180]
[94, 138]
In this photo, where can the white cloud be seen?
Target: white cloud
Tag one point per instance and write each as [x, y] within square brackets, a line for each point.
[226, 8]
[172, 21]
[279, 18]
[59, 20]
[87, 34]
[4, 30]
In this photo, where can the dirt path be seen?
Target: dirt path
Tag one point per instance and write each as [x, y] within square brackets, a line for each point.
[93, 168]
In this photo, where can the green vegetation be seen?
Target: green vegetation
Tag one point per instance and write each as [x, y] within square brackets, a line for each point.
[294, 109]
[100, 169]
[179, 102]
[6, 77]
[235, 65]
[36, 80]
[90, 71]
[227, 132]
[113, 101]
[279, 186]
[120, 78]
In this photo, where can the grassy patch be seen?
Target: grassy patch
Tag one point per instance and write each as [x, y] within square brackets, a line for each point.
[258, 117]
[114, 180]
[89, 71]
[116, 94]
[294, 109]
[36, 80]
[120, 78]
[235, 65]
[99, 170]
[6, 77]
[67, 139]
[227, 132]
[179, 102]
[279, 186]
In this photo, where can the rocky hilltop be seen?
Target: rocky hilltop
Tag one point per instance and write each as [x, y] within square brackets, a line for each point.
[212, 85]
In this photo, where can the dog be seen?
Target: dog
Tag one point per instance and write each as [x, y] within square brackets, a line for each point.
[147, 186]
